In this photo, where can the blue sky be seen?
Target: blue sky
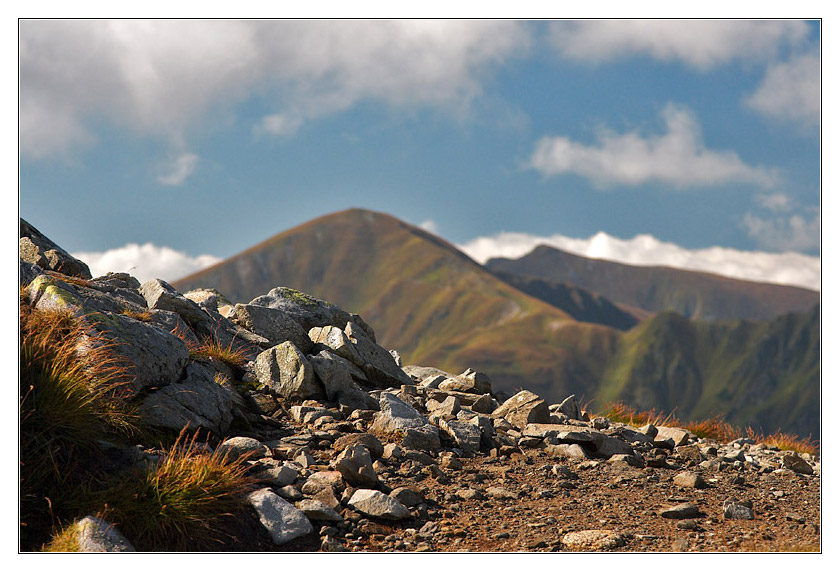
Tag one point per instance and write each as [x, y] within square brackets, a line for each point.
[164, 146]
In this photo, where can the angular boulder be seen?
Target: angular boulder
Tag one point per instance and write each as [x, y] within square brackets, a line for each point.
[286, 372]
[160, 295]
[198, 401]
[356, 466]
[378, 505]
[272, 324]
[308, 311]
[339, 379]
[280, 518]
[37, 249]
[523, 408]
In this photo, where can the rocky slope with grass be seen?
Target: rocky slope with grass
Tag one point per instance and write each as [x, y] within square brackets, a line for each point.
[282, 424]
[437, 306]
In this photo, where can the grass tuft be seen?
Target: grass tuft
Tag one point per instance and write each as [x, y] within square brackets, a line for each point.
[140, 316]
[182, 502]
[72, 395]
[714, 428]
[212, 349]
[65, 540]
[209, 348]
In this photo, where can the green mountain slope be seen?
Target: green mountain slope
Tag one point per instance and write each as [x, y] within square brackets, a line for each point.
[696, 295]
[438, 307]
[762, 374]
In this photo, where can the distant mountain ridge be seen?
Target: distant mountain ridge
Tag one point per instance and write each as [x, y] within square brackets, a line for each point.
[696, 295]
[438, 307]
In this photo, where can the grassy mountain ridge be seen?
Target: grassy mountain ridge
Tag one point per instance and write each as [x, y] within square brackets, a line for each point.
[762, 374]
[697, 295]
[438, 307]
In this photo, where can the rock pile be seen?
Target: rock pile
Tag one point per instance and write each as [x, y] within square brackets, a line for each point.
[355, 452]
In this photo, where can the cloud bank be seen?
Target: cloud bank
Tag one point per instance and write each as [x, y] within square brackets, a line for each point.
[700, 44]
[146, 261]
[677, 157]
[161, 77]
[790, 91]
[644, 250]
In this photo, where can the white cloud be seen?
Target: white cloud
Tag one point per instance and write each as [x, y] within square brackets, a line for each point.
[281, 124]
[181, 168]
[146, 261]
[774, 202]
[700, 44]
[645, 250]
[790, 90]
[678, 157]
[429, 226]
[794, 232]
[160, 77]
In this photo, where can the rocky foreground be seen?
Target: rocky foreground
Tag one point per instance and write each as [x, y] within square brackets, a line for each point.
[352, 451]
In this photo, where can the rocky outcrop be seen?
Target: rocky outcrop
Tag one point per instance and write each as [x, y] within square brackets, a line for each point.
[351, 451]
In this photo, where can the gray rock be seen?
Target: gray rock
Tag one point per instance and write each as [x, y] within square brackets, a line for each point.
[607, 446]
[339, 378]
[36, 248]
[570, 408]
[198, 402]
[449, 407]
[397, 415]
[276, 474]
[356, 467]
[523, 408]
[378, 505]
[366, 440]
[466, 436]
[378, 364]
[272, 324]
[337, 342]
[97, 535]
[737, 510]
[407, 496]
[332, 480]
[484, 404]
[592, 540]
[308, 311]
[317, 510]
[632, 460]
[797, 464]
[280, 518]
[236, 447]
[681, 511]
[286, 371]
[154, 357]
[679, 436]
[160, 295]
[567, 451]
[426, 438]
[689, 480]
